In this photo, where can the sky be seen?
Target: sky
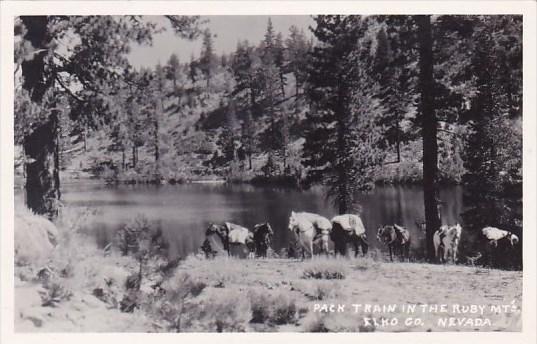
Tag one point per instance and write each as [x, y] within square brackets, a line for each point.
[227, 31]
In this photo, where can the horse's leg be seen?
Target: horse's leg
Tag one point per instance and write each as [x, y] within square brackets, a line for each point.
[344, 248]
[338, 246]
[304, 249]
[390, 249]
[310, 249]
[355, 244]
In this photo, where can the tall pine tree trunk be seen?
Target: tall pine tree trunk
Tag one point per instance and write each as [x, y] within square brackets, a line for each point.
[429, 132]
[398, 139]
[134, 155]
[42, 168]
[342, 152]
[282, 85]
[85, 138]
[41, 145]
[122, 158]
[157, 136]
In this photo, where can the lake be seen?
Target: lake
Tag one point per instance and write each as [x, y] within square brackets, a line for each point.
[184, 211]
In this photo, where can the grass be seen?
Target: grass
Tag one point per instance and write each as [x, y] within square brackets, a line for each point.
[276, 289]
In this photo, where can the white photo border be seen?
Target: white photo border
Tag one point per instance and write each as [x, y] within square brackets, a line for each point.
[11, 9]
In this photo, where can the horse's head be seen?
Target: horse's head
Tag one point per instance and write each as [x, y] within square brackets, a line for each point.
[212, 229]
[263, 230]
[221, 230]
[513, 239]
[293, 221]
[379, 233]
[386, 234]
[456, 232]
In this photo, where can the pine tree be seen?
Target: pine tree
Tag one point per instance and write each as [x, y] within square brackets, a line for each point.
[207, 56]
[280, 62]
[492, 158]
[276, 135]
[157, 88]
[429, 131]
[391, 67]
[248, 137]
[344, 104]
[93, 67]
[173, 70]
[193, 66]
[298, 51]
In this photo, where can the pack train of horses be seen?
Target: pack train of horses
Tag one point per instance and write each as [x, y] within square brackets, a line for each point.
[308, 230]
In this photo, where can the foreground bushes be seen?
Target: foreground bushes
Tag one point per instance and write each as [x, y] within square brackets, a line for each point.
[272, 308]
[324, 269]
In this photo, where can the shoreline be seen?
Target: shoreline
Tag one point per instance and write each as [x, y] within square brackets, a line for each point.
[76, 286]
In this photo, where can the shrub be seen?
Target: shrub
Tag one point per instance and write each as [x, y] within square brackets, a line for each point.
[272, 308]
[284, 310]
[130, 301]
[141, 237]
[217, 311]
[53, 294]
[314, 323]
[324, 269]
[177, 290]
[323, 290]
[260, 304]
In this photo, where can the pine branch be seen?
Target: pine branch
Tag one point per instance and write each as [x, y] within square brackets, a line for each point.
[449, 132]
[67, 89]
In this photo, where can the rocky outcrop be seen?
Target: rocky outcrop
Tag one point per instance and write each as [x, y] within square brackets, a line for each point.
[35, 238]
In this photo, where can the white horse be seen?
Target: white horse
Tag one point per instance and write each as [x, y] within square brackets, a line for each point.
[494, 234]
[308, 227]
[446, 242]
[499, 244]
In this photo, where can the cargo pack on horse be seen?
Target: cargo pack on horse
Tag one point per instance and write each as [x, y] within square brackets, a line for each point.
[233, 239]
[499, 245]
[348, 229]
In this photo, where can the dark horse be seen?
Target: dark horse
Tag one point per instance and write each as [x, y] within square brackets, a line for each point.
[397, 238]
[348, 229]
[220, 232]
[262, 238]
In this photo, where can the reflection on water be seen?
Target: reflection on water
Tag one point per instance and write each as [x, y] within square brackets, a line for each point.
[184, 211]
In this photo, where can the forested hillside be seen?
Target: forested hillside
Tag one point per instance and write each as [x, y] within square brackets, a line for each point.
[247, 114]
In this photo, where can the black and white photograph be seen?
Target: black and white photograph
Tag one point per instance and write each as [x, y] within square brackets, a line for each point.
[267, 173]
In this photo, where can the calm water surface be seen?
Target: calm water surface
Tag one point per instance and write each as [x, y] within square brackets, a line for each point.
[184, 211]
